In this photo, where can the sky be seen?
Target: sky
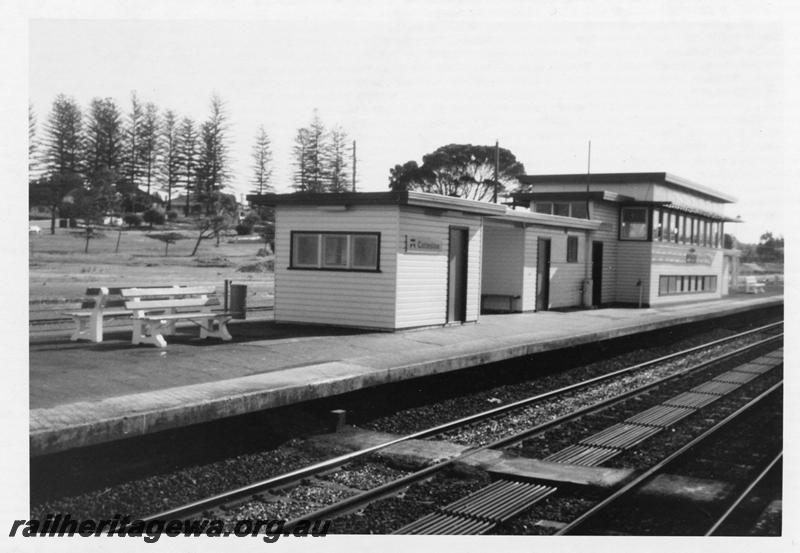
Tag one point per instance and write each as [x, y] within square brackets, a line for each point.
[700, 96]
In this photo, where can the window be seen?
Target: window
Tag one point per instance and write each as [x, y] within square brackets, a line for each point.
[365, 251]
[341, 251]
[572, 249]
[578, 210]
[563, 209]
[306, 250]
[669, 285]
[633, 223]
[658, 224]
[334, 247]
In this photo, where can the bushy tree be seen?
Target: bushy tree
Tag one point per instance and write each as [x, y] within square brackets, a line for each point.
[171, 166]
[222, 216]
[62, 156]
[310, 157]
[262, 163]
[187, 155]
[150, 145]
[154, 216]
[213, 171]
[132, 145]
[103, 152]
[338, 171]
[132, 220]
[462, 170]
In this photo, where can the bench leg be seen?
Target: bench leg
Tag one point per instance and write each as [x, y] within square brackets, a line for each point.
[148, 332]
[221, 331]
[88, 328]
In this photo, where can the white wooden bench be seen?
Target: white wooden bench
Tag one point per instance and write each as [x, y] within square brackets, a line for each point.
[752, 286]
[100, 303]
[156, 310]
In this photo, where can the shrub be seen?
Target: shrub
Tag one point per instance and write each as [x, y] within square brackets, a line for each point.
[154, 216]
[172, 215]
[243, 229]
[132, 219]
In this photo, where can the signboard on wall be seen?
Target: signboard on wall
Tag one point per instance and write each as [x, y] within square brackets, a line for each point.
[423, 244]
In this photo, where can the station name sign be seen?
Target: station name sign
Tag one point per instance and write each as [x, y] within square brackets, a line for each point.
[423, 244]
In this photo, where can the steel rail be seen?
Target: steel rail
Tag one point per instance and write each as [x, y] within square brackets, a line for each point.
[316, 468]
[735, 505]
[664, 463]
[354, 502]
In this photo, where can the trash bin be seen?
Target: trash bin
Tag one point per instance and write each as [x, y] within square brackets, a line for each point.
[238, 302]
[587, 288]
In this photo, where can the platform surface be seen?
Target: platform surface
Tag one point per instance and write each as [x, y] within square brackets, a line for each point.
[84, 393]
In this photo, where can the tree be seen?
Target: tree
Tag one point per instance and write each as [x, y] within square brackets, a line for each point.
[94, 202]
[310, 157]
[133, 131]
[103, 152]
[770, 248]
[171, 166]
[61, 156]
[150, 144]
[338, 174]
[50, 190]
[187, 156]
[221, 217]
[168, 238]
[262, 163]
[31, 138]
[461, 170]
[212, 171]
[154, 216]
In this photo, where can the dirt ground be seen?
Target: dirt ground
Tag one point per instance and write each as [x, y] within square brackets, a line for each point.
[60, 271]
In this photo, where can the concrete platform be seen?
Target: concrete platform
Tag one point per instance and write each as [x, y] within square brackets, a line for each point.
[83, 393]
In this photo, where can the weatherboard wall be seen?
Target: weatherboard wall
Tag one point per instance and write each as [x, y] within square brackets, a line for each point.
[422, 278]
[344, 298]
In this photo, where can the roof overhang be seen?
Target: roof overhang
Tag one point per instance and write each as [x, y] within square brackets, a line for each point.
[576, 196]
[665, 179]
[403, 198]
[542, 219]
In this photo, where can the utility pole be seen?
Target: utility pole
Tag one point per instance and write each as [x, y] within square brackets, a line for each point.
[496, 169]
[588, 177]
[354, 165]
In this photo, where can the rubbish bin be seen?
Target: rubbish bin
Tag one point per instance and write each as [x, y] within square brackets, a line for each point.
[238, 303]
[587, 288]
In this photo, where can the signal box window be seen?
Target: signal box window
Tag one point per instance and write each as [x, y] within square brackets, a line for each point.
[633, 223]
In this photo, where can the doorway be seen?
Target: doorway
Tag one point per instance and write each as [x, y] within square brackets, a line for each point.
[542, 274]
[597, 273]
[457, 275]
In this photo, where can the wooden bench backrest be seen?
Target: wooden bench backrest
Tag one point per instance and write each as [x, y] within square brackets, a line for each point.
[176, 297]
[105, 297]
[750, 279]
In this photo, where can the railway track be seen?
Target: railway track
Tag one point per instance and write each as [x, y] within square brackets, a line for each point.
[733, 449]
[497, 494]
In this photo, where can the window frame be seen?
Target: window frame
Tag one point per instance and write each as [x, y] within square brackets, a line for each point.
[684, 285]
[647, 223]
[320, 265]
[574, 239]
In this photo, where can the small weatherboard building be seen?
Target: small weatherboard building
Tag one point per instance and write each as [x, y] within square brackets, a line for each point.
[383, 260]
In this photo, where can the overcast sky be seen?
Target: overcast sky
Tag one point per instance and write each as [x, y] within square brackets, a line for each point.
[694, 92]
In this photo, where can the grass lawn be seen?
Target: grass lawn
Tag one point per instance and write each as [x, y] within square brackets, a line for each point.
[60, 271]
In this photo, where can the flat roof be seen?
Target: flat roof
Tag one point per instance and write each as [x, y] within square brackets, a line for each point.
[665, 179]
[407, 197]
[545, 219]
